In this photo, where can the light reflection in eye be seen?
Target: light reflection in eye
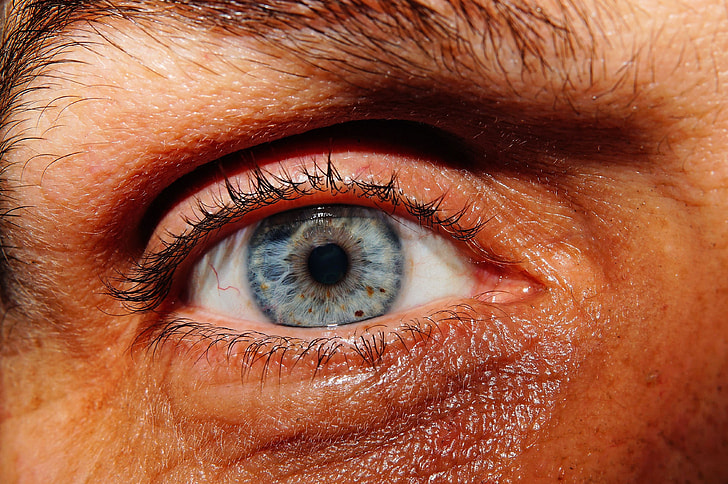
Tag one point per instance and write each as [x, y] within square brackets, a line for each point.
[327, 266]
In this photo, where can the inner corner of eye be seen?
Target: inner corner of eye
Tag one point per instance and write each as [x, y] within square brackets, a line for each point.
[329, 266]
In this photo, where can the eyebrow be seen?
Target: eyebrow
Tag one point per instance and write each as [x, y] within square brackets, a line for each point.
[368, 31]
[366, 37]
[378, 35]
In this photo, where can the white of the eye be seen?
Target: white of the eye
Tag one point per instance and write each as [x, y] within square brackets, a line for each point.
[218, 282]
[434, 269]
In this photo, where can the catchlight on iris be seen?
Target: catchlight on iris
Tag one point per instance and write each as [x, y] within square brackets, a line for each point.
[325, 265]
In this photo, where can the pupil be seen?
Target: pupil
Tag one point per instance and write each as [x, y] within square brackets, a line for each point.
[328, 264]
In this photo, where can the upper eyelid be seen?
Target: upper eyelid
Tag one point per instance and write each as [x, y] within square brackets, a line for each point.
[149, 282]
[146, 285]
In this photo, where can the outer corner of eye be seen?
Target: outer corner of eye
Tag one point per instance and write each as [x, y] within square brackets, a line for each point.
[440, 269]
[498, 285]
[335, 265]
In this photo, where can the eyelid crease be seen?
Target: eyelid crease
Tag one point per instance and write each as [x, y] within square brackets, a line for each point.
[150, 280]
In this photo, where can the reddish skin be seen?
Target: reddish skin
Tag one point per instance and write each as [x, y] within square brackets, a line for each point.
[613, 368]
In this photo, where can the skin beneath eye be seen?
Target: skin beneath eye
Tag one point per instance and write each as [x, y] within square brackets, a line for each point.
[602, 185]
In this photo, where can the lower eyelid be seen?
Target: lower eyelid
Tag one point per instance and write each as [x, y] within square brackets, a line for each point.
[196, 332]
[230, 376]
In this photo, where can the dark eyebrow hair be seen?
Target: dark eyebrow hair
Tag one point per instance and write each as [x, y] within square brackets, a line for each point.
[30, 40]
[321, 32]
[364, 30]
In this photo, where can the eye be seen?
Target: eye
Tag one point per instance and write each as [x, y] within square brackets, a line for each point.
[322, 230]
[326, 266]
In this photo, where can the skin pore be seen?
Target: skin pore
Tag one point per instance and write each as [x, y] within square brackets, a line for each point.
[570, 153]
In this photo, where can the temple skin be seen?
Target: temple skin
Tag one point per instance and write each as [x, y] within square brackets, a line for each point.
[584, 141]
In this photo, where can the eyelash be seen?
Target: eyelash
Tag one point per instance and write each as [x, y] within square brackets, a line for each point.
[146, 286]
[368, 346]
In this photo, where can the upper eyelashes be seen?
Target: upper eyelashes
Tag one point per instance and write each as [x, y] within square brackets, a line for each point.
[149, 282]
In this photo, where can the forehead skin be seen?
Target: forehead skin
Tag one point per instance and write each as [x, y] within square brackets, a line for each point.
[599, 140]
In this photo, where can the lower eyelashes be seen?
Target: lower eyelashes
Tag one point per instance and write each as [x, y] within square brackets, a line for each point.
[324, 266]
[258, 356]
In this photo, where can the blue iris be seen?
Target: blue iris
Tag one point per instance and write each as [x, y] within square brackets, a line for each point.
[325, 266]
